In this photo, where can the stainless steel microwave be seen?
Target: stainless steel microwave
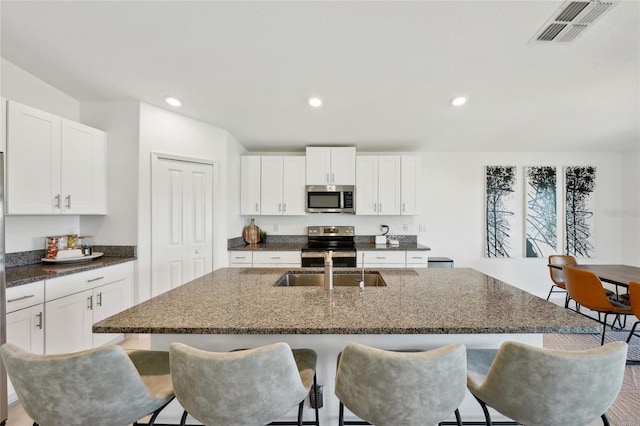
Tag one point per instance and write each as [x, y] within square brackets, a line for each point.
[330, 199]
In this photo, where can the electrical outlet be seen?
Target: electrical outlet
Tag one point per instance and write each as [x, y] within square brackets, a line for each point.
[422, 228]
[405, 227]
[276, 227]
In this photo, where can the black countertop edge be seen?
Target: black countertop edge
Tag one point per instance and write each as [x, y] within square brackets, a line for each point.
[339, 330]
[21, 275]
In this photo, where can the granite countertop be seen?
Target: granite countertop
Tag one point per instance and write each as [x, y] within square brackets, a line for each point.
[20, 275]
[275, 246]
[421, 301]
[362, 246]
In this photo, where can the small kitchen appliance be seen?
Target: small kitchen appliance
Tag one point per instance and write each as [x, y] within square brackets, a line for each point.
[338, 239]
[330, 199]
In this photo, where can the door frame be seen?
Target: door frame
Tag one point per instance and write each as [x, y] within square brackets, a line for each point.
[155, 158]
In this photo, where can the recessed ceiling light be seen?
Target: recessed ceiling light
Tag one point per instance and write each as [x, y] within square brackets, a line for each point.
[315, 102]
[459, 101]
[173, 101]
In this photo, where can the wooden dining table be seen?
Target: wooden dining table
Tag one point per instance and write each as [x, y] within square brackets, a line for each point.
[614, 274]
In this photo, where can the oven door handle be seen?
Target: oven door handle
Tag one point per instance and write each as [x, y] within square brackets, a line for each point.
[320, 254]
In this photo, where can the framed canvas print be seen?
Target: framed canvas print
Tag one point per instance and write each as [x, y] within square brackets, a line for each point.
[580, 186]
[500, 210]
[541, 214]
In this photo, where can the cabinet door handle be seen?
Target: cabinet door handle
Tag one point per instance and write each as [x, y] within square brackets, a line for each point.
[375, 207]
[39, 318]
[380, 207]
[328, 180]
[21, 298]
[284, 207]
[95, 279]
[257, 207]
[333, 177]
[90, 302]
[57, 198]
[68, 198]
[279, 207]
[99, 299]
[403, 207]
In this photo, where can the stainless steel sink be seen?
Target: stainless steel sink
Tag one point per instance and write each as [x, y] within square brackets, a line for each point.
[340, 279]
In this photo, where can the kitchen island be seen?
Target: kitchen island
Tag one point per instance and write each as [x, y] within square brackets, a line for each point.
[234, 308]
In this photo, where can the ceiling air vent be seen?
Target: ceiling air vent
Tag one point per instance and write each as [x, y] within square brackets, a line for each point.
[573, 18]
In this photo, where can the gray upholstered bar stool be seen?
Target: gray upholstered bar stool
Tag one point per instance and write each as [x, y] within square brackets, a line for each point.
[388, 388]
[246, 387]
[536, 386]
[98, 387]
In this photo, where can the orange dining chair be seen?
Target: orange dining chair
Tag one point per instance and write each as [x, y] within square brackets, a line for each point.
[586, 289]
[557, 276]
[634, 302]
[556, 262]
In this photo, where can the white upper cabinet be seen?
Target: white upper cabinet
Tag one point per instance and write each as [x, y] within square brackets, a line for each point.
[331, 165]
[293, 185]
[3, 125]
[84, 153]
[53, 165]
[282, 186]
[408, 185]
[273, 185]
[378, 185]
[250, 185]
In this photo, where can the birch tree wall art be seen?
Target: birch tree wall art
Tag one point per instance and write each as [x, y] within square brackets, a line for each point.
[580, 185]
[541, 236]
[500, 210]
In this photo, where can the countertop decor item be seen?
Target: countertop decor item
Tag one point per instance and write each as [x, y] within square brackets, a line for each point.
[251, 233]
[80, 258]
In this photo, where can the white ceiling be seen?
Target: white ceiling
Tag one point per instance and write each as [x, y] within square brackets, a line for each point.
[386, 70]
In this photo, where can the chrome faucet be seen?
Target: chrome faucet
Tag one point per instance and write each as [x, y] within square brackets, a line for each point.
[328, 270]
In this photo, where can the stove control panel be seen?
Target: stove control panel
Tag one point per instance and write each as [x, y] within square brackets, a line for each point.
[330, 231]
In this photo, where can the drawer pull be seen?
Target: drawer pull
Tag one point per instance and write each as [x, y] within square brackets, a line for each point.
[95, 279]
[39, 323]
[380, 257]
[275, 257]
[240, 257]
[21, 298]
[417, 257]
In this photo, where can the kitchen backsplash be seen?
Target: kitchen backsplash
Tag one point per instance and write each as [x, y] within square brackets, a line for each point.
[34, 256]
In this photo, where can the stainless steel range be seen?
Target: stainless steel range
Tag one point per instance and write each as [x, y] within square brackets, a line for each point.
[339, 239]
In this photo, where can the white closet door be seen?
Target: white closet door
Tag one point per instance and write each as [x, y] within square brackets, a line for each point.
[182, 223]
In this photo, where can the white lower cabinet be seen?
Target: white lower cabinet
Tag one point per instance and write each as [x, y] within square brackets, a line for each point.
[73, 303]
[276, 259]
[241, 259]
[382, 259]
[417, 259]
[25, 321]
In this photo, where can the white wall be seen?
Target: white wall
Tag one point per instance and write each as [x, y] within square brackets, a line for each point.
[454, 206]
[630, 208]
[20, 86]
[25, 233]
[165, 132]
[121, 122]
